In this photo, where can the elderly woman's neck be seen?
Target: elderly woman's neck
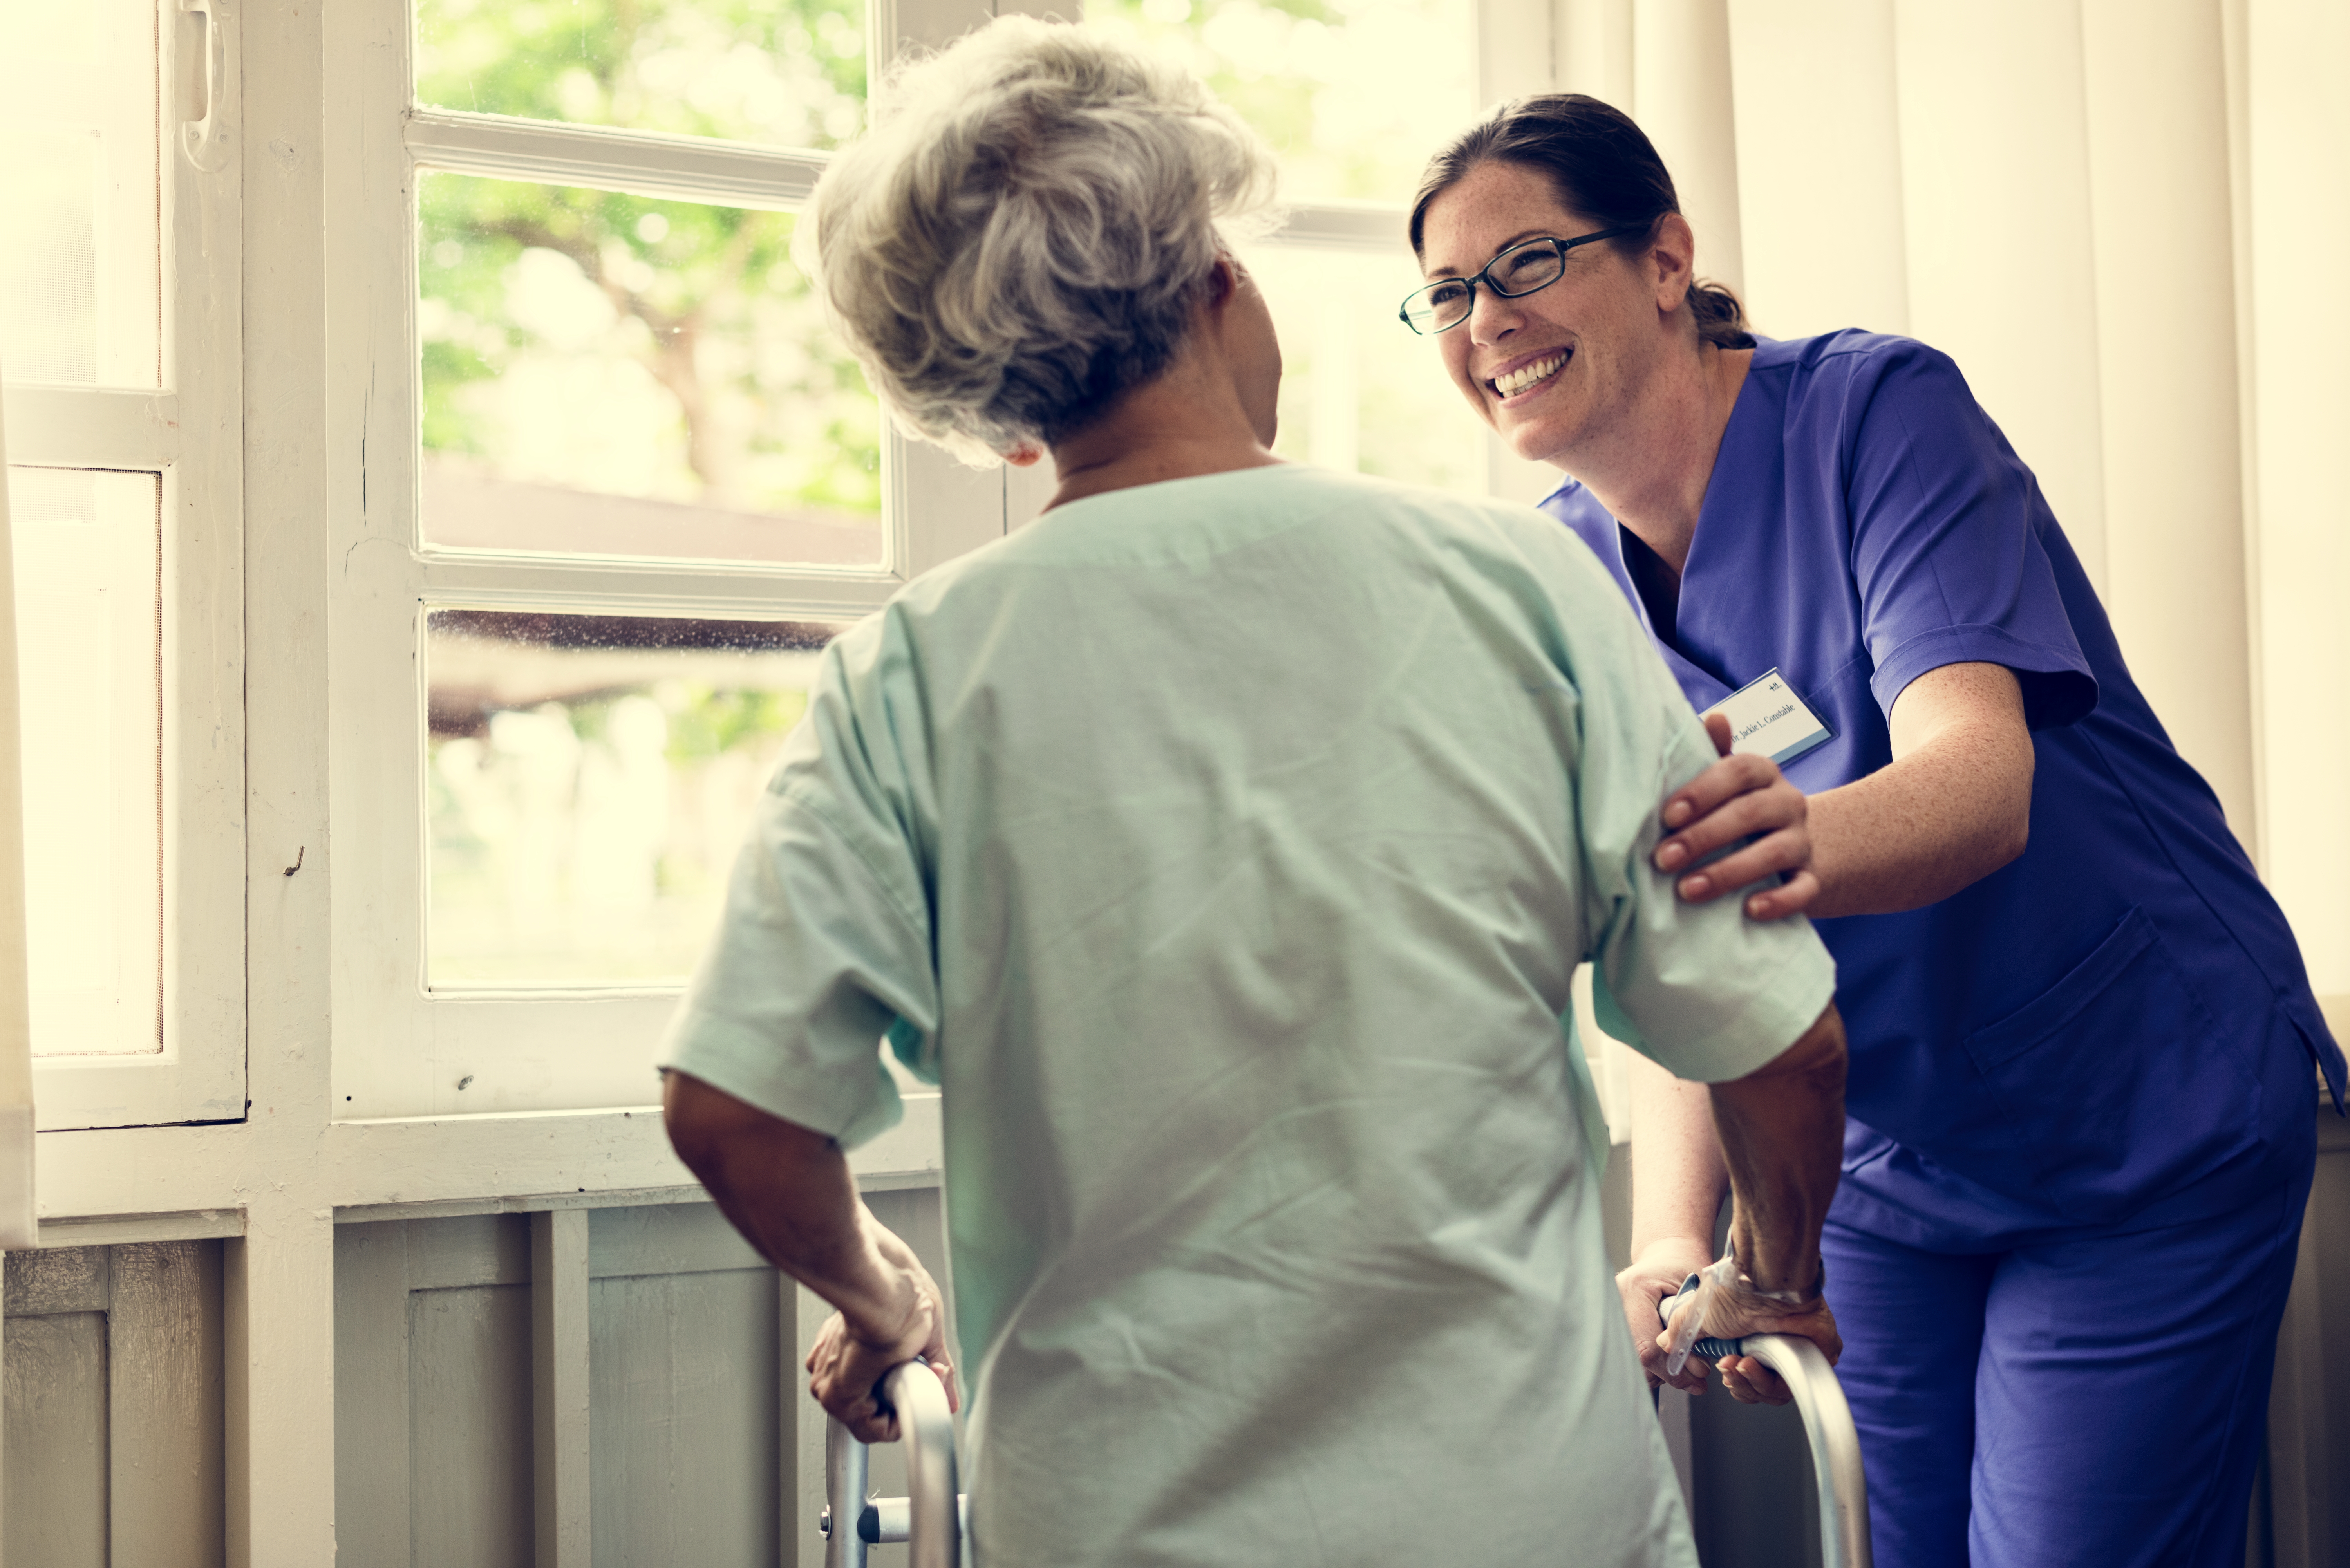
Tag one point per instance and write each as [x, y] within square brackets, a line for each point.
[1193, 419]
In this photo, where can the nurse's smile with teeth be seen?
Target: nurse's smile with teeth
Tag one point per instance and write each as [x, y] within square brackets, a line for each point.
[1511, 383]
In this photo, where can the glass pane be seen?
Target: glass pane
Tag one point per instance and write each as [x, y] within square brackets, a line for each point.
[612, 376]
[1353, 93]
[790, 73]
[81, 207]
[590, 780]
[88, 615]
[1357, 390]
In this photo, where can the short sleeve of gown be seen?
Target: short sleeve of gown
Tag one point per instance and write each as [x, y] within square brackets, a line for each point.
[1698, 988]
[1947, 549]
[823, 948]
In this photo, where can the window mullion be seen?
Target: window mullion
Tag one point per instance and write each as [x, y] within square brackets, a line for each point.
[654, 587]
[77, 427]
[673, 168]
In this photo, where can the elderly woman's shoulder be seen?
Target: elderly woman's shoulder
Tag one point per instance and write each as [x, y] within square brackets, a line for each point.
[1452, 520]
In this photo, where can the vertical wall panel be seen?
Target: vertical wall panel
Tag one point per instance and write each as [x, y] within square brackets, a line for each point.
[371, 1396]
[2157, 117]
[559, 1385]
[115, 1440]
[2003, 272]
[686, 1453]
[470, 1504]
[169, 1479]
[1819, 166]
[56, 1441]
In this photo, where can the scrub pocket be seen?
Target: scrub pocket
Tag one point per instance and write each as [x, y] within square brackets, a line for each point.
[2118, 1083]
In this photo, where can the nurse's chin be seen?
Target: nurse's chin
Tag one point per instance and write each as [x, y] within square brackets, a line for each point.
[1532, 441]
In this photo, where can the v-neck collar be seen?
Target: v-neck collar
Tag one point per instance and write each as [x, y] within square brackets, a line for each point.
[1703, 686]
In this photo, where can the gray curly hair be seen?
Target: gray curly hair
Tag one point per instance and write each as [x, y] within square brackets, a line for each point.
[1026, 231]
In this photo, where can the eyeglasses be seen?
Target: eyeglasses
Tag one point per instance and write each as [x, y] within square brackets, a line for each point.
[1518, 271]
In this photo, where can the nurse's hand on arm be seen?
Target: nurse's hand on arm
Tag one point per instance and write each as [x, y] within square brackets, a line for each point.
[1773, 1139]
[788, 1188]
[1953, 806]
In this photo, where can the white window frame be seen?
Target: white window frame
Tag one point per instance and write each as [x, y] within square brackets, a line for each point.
[403, 1050]
[400, 1049]
[190, 435]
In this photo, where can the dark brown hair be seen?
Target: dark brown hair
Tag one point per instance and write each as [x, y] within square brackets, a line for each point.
[1604, 170]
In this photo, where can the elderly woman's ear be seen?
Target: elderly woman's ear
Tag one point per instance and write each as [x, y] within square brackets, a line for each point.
[1017, 241]
[1024, 454]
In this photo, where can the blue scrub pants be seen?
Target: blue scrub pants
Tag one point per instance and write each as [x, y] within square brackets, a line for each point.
[2083, 1396]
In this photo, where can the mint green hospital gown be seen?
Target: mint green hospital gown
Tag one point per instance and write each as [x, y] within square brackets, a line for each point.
[1224, 847]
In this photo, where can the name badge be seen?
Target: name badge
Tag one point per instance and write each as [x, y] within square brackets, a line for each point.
[1767, 718]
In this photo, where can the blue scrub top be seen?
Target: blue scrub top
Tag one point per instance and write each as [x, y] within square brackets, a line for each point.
[2119, 1018]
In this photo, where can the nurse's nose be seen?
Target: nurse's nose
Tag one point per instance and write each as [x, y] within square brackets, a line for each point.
[1492, 317]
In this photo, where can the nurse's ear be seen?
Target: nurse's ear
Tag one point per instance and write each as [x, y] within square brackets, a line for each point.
[1670, 263]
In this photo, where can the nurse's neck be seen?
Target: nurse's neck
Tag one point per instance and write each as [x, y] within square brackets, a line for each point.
[1651, 467]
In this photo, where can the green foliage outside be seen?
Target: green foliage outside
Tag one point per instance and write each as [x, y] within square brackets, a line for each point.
[789, 73]
[705, 722]
[740, 397]
[769, 413]
[763, 409]
[1354, 94]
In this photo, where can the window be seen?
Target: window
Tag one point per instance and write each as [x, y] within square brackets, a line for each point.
[118, 290]
[1317, 78]
[621, 485]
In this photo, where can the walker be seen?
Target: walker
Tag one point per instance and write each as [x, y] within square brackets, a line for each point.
[931, 1521]
[1827, 1423]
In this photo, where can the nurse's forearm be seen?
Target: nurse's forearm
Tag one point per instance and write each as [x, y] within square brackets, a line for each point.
[1953, 806]
[1933, 823]
[1678, 1177]
[1782, 1132]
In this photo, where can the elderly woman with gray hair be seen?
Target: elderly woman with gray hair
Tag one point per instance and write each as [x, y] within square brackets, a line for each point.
[1223, 843]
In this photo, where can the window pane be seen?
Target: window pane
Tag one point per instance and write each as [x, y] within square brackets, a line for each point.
[1357, 390]
[80, 251]
[591, 778]
[88, 613]
[790, 73]
[1353, 93]
[608, 375]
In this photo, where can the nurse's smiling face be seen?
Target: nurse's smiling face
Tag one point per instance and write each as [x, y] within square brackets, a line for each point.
[1560, 371]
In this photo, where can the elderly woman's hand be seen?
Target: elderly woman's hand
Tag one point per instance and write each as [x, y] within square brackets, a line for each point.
[1742, 797]
[1736, 1314]
[846, 1364]
[1655, 1274]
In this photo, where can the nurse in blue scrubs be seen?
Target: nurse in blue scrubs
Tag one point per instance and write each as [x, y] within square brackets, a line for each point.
[2081, 1092]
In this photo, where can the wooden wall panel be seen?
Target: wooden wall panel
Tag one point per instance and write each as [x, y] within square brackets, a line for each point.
[372, 1447]
[57, 1440]
[166, 1400]
[114, 1441]
[686, 1453]
[470, 1426]
[694, 1419]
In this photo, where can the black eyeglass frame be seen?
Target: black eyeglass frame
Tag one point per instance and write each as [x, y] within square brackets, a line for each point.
[1484, 275]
